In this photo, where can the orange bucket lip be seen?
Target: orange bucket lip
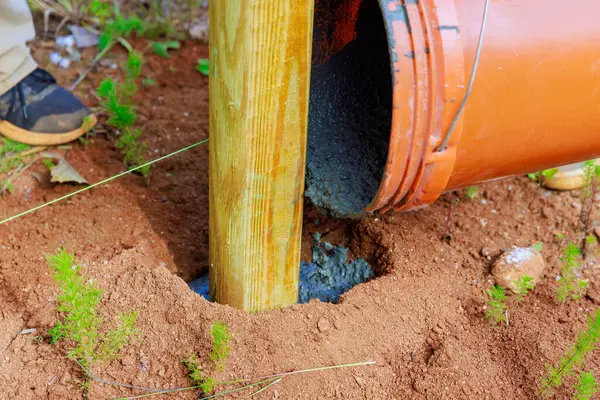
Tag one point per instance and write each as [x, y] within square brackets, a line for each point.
[535, 102]
[428, 52]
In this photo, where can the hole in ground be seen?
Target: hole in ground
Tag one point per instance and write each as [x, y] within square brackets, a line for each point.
[331, 270]
[326, 277]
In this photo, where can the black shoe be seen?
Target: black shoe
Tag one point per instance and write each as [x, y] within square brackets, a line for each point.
[39, 112]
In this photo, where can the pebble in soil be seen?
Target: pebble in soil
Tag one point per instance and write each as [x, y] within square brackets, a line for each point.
[326, 277]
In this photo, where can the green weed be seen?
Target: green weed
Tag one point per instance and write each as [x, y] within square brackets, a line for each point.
[12, 163]
[591, 188]
[203, 66]
[206, 383]
[6, 186]
[545, 174]
[99, 9]
[221, 338]
[160, 17]
[148, 82]
[10, 154]
[118, 104]
[120, 27]
[539, 246]
[586, 386]
[81, 323]
[570, 286]
[471, 192]
[496, 304]
[87, 125]
[524, 285]
[162, 48]
[574, 356]
[220, 351]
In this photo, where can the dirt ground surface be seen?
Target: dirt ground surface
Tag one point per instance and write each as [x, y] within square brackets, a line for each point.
[421, 320]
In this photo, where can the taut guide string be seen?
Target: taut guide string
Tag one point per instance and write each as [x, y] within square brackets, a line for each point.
[102, 182]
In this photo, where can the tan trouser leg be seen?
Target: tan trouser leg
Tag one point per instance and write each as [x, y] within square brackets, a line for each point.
[16, 28]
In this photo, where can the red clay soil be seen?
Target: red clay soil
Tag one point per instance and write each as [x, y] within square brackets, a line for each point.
[421, 320]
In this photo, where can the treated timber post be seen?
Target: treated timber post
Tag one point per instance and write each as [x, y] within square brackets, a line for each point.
[260, 54]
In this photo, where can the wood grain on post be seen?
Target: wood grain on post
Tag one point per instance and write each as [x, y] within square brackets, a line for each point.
[260, 53]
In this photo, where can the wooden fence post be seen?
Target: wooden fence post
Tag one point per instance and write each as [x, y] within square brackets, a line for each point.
[260, 57]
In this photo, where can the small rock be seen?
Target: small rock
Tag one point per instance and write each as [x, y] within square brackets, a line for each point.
[359, 380]
[65, 378]
[55, 58]
[419, 386]
[563, 320]
[82, 37]
[490, 253]
[323, 325]
[127, 360]
[128, 243]
[518, 262]
[174, 315]
[64, 63]
[546, 212]
[199, 30]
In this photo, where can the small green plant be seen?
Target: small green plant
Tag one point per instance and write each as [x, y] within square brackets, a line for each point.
[87, 125]
[220, 351]
[10, 154]
[120, 27]
[545, 174]
[574, 356]
[121, 336]
[13, 163]
[204, 382]
[118, 104]
[471, 192]
[570, 285]
[586, 386]
[162, 48]
[221, 338]
[539, 246]
[203, 66]
[81, 323]
[6, 186]
[591, 172]
[496, 304]
[524, 285]
[148, 82]
[48, 163]
[100, 9]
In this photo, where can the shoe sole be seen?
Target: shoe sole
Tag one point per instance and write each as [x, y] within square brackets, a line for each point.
[44, 139]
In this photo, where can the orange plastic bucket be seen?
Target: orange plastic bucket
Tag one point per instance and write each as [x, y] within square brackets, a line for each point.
[389, 77]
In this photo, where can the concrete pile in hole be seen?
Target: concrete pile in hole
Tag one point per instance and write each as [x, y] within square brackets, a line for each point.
[326, 277]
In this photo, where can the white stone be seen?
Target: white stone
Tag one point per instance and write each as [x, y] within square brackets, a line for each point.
[518, 262]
